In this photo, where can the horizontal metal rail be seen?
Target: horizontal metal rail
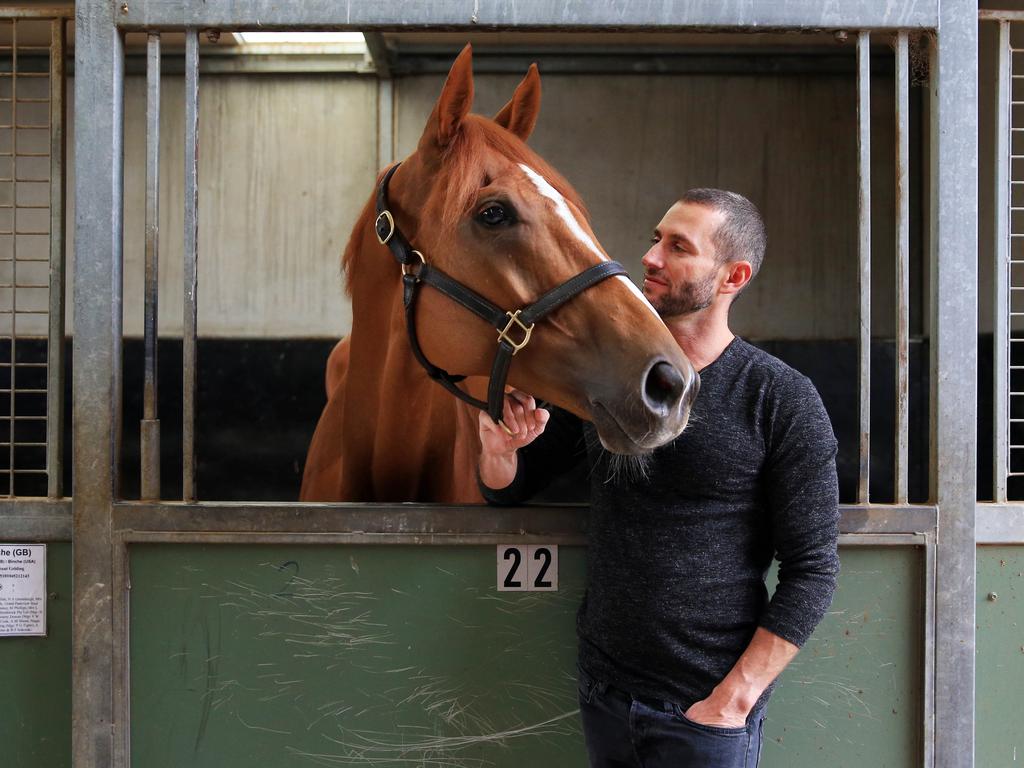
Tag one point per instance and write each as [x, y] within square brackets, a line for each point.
[32, 519]
[749, 15]
[1000, 523]
[274, 519]
[40, 12]
[987, 14]
[449, 539]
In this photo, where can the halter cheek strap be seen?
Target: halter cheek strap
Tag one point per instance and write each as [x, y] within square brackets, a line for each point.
[514, 328]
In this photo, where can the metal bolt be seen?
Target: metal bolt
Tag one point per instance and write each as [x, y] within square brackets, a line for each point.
[992, 597]
[124, 7]
[842, 36]
[213, 35]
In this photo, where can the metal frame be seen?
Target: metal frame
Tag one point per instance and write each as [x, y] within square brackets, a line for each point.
[1007, 523]
[49, 519]
[953, 250]
[103, 527]
[1002, 522]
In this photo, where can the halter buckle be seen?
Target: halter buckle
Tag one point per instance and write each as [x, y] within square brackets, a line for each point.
[513, 319]
[389, 221]
[405, 267]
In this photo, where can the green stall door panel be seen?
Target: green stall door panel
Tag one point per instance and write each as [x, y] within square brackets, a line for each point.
[999, 735]
[399, 655]
[35, 680]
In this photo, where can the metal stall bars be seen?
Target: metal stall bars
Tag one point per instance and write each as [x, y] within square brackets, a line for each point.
[104, 525]
[32, 246]
[149, 431]
[864, 262]
[1002, 521]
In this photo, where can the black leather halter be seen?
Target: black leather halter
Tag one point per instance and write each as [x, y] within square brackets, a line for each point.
[514, 327]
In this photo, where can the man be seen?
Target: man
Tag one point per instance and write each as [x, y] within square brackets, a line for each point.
[678, 642]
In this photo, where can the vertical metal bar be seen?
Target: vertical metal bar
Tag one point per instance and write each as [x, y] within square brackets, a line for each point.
[99, 196]
[1001, 298]
[928, 692]
[191, 263]
[55, 343]
[14, 253]
[954, 360]
[901, 469]
[385, 122]
[150, 428]
[864, 259]
[13, 260]
[121, 650]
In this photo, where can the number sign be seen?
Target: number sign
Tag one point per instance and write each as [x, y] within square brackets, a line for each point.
[527, 568]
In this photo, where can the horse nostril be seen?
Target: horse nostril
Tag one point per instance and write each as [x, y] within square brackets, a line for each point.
[664, 385]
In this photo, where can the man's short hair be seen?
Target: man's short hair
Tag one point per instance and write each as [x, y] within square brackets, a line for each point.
[741, 236]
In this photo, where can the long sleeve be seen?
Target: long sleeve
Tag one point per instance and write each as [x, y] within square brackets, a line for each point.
[803, 499]
[555, 452]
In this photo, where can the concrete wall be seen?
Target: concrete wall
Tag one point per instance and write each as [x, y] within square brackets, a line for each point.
[286, 162]
[631, 145]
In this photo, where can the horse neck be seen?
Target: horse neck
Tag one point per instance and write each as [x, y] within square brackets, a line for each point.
[405, 438]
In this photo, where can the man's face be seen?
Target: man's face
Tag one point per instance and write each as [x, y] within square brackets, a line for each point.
[681, 269]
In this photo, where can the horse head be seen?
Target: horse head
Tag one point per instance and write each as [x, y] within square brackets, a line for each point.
[477, 204]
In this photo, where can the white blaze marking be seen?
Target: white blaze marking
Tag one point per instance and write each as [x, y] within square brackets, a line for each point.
[562, 209]
[640, 295]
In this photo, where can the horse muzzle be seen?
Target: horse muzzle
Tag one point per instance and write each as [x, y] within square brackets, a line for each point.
[631, 423]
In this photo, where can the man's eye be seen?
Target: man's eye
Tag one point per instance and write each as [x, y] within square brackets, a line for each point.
[655, 240]
[494, 215]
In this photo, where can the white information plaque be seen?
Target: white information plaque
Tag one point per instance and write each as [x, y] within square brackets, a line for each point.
[22, 590]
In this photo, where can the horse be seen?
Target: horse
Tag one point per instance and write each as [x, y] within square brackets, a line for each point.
[479, 205]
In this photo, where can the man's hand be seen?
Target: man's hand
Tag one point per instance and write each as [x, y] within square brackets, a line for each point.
[498, 448]
[719, 711]
[732, 699]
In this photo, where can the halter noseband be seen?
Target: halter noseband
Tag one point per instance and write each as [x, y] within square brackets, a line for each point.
[514, 327]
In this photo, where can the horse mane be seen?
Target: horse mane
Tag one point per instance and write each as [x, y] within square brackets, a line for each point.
[465, 164]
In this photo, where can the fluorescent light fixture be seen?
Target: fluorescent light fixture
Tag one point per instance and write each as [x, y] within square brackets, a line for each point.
[302, 38]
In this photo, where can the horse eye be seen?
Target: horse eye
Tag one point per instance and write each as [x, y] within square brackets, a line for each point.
[494, 215]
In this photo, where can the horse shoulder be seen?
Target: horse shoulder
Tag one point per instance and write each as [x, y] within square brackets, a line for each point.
[337, 366]
[322, 474]
[465, 456]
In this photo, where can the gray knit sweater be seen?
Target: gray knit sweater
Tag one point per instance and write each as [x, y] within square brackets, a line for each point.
[676, 562]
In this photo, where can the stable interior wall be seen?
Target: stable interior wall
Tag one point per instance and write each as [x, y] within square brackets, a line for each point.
[632, 145]
[287, 162]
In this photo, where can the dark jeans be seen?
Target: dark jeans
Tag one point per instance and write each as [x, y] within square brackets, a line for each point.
[625, 732]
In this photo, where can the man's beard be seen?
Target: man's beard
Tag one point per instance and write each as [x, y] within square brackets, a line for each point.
[687, 298]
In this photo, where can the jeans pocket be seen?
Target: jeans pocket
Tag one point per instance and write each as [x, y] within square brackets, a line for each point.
[585, 685]
[717, 730]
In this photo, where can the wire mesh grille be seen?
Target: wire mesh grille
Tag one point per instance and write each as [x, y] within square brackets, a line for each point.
[25, 128]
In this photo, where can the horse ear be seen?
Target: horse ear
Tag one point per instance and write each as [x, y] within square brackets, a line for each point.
[454, 102]
[520, 114]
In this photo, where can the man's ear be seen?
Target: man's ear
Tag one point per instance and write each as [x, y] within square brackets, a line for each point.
[452, 105]
[520, 114]
[739, 274]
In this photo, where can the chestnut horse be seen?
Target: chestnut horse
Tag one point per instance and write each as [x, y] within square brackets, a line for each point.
[489, 212]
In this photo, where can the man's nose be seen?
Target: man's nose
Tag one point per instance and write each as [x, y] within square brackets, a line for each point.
[650, 259]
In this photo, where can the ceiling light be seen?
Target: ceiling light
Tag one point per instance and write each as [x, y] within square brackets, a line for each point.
[264, 38]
